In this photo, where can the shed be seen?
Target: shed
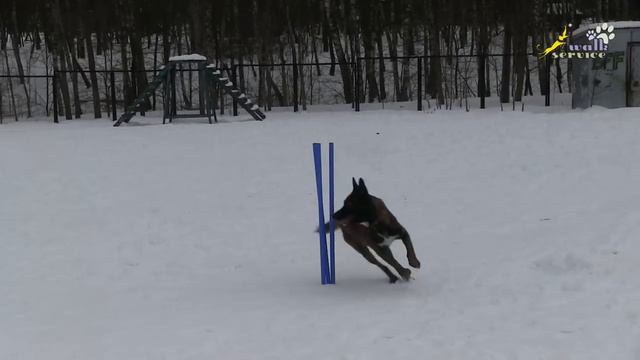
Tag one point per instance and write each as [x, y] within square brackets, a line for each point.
[612, 80]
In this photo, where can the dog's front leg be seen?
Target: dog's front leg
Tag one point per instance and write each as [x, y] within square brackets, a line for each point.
[372, 259]
[356, 236]
[385, 253]
[411, 253]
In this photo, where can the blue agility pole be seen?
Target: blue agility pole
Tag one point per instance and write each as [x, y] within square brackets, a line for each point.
[332, 225]
[325, 276]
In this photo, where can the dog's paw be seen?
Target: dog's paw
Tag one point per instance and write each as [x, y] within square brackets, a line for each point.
[406, 274]
[415, 263]
[392, 280]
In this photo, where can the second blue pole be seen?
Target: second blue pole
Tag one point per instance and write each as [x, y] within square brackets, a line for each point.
[327, 255]
[332, 226]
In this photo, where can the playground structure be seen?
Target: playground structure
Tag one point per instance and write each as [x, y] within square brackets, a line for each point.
[212, 84]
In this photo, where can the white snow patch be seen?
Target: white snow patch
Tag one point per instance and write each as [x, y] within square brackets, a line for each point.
[189, 57]
[195, 241]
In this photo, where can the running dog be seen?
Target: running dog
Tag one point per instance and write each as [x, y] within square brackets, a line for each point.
[366, 223]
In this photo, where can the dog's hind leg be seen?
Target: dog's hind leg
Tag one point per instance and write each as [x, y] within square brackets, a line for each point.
[385, 253]
[411, 253]
[357, 236]
[372, 259]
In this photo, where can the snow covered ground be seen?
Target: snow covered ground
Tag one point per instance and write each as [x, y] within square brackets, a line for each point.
[193, 241]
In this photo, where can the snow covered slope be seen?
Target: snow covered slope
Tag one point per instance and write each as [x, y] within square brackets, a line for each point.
[191, 241]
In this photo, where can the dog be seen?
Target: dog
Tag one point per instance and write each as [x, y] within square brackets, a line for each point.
[367, 223]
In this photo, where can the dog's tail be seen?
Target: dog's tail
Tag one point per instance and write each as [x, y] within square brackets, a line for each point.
[326, 227]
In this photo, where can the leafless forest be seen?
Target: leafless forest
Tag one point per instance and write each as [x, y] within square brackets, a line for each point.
[302, 51]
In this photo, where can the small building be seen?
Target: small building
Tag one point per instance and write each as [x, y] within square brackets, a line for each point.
[605, 64]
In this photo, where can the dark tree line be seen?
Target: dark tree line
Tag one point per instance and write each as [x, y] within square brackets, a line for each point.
[292, 31]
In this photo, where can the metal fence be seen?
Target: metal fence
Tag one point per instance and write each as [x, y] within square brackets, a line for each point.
[405, 80]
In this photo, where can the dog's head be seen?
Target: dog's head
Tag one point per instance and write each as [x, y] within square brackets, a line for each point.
[358, 206]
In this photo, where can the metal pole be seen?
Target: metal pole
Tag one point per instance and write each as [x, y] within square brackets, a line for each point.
[482, 80]
[234, 74]
[113, 96]
[332, 226]
[295, 88]
[324, 269]
[419, 84]
[547, 95]
[352, 65]
[55, 96]
[357, 89]
[174, 107]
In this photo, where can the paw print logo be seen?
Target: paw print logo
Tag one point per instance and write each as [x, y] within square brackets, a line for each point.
[603, 32]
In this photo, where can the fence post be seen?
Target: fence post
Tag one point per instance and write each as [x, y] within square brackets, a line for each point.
[234, 74]
[138, 93]
[55, 96]
[420, 83]
[114, 114]
[174, 106]
[547, 95]
[356, 91]
[482, 79]
[155, 72]
[295, 87]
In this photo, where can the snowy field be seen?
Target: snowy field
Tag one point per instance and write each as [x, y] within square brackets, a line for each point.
[193, 241]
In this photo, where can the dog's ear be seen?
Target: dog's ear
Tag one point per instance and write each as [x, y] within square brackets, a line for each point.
[362, 186]
[353, 182]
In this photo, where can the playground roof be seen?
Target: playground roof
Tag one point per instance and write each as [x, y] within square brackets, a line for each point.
[189, 57]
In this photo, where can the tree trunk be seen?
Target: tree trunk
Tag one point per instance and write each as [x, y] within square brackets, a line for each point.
[408, 50]
[283, 76]
[16, 52]
[506, 67]
[345, 67]
[92, 74]
[59, 63]
[1, 97]
[70, 57]
[137, 57]
[435, 75]
[392, 40]
[15, 44]
[558, 75]
[302, 51]
[520, 64]
[366, 29]
[381, 67]
[126, 81]
[166, 46]
[59, 47]
[13, 98]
